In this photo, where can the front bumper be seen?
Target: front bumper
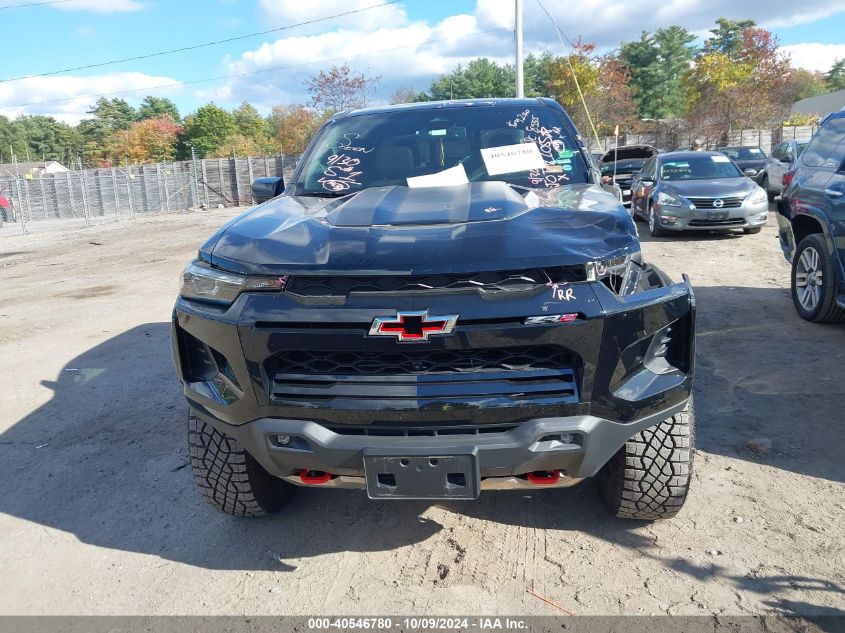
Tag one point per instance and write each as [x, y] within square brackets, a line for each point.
[578, 446]
[569, 417]
[691, 219]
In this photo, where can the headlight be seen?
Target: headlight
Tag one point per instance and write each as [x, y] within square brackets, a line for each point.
[758, 196]
[668, 200]
[620, 274]
[208, 284]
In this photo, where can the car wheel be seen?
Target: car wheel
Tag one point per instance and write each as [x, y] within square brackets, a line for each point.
[649, 477]
[230, 479]
[653, 224]
[765, 186]
[753, 230]
[813, 282]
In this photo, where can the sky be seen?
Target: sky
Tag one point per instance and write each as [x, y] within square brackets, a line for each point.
[405, 43]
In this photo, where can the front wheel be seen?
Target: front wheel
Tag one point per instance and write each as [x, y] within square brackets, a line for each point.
[813, 282]
[649, 477]
[229, 477]
[654, 224]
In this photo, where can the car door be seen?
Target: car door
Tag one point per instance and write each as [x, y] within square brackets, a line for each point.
[820, 181]
[774, 169]
[643, 185]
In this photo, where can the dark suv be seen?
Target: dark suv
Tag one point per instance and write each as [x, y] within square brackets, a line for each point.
[811, 224]
[442, 301]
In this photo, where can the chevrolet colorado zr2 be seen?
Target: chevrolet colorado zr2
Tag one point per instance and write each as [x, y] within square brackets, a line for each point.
[442, 300]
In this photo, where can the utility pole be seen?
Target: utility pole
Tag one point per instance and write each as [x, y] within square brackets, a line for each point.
[520, 83]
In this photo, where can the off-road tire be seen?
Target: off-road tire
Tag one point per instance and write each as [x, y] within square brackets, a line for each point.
[230, 479]
[654, 228]
[752, 231]
[827, 310]
[649, 477]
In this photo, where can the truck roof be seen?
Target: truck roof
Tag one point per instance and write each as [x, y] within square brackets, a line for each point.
[434, 105]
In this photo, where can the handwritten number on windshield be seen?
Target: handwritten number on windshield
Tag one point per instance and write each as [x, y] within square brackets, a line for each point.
[340, 174]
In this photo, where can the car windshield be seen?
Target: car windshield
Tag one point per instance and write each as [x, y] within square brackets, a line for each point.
[744, 153]
[526, 146]
[706, 167]
[623, 166]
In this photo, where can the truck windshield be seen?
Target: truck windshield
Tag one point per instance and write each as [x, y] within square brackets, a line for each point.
[526, 146]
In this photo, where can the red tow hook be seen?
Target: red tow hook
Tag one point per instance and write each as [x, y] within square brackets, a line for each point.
[314, 477]
[544, 477]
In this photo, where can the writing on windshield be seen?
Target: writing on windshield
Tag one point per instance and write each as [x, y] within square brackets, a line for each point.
[402, 146]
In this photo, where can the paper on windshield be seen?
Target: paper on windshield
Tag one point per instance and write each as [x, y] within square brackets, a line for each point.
[720, 159]
[509, 159]
[451, 177]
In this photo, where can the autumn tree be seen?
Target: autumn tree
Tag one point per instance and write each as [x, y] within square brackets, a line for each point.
[742, 82]
[152, 140]
[109, 117]
[604, 82]
[340, 89]
[293, 126]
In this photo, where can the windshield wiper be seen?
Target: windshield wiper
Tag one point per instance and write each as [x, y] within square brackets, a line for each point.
[325, 194]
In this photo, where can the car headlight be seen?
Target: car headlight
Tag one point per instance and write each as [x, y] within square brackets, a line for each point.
[209, 284]
[620, 274]
[668, 200]
[758, 196]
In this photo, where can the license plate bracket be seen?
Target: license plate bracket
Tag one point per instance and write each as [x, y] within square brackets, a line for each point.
[717, 215]
[432, 476]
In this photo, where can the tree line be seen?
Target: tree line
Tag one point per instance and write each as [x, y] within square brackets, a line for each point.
[737, 79]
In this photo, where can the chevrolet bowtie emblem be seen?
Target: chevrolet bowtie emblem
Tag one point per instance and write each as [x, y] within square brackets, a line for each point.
[413, 327]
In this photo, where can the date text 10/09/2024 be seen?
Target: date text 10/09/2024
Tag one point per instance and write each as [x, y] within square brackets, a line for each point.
[430, 623]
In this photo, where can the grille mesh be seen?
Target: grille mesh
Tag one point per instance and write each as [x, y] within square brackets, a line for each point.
[492, 281]
[423, 361]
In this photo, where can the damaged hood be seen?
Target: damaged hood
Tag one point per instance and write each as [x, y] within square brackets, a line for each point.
[627, 152]
[399, 230]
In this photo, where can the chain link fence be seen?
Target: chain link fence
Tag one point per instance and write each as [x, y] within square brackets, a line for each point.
[669, 137]
[125, 191]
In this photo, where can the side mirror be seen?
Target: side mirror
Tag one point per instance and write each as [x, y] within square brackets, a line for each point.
[750, 172]
[648, 182]
[264, 189]
[787, 160]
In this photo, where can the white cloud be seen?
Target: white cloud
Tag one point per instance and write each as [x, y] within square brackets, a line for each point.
[432, 49]
[100, 6]
[74, 88]
[814, 56]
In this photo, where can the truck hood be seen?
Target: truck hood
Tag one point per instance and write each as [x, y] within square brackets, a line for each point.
[398, 230]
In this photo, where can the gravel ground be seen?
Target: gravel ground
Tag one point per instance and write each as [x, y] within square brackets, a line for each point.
[100, 516]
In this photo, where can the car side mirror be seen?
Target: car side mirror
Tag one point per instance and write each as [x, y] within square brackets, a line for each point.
[648, 182]
[264, 189]
[787, 160]
[750, 172]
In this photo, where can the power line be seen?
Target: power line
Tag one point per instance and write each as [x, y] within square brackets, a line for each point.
[195, 46]
[560, 36]
[32, 4]
[239, 75]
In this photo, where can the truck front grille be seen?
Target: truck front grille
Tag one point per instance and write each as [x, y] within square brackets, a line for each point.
[492, 281]
[416, 379]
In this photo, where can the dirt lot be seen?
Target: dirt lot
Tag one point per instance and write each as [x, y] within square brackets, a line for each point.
[99, 514]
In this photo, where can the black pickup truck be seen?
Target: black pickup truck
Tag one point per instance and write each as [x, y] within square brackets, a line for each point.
[443, 300]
